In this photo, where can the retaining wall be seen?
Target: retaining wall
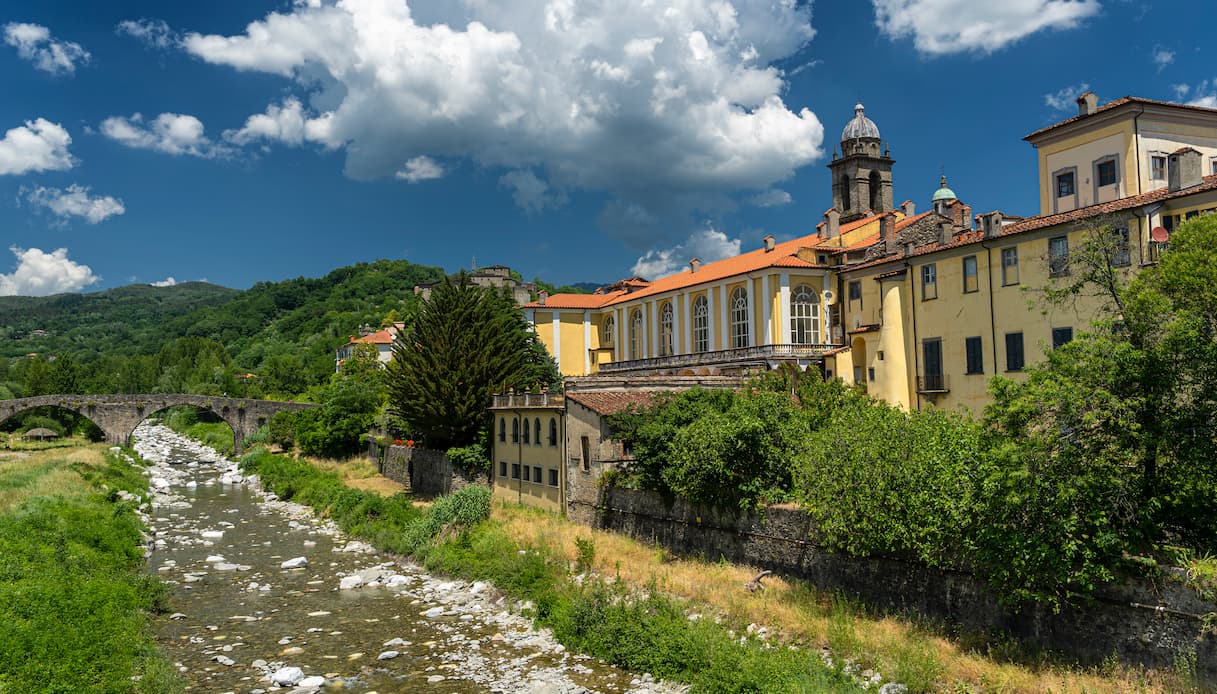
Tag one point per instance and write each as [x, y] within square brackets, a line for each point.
[783, 540]
[424, 471]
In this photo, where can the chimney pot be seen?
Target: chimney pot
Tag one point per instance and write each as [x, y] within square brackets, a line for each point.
[1184, 170]
[769, 242]
[694, 264]
[542, 296]
[909, 208]
[1088, 103]
[887, 232]
[833, 217]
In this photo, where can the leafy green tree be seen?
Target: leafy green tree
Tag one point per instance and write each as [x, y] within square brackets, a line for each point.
[466, 344]
[347, 408]
[65, 375]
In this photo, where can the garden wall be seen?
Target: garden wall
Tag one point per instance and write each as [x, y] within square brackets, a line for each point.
[424, 471]
[783, 540]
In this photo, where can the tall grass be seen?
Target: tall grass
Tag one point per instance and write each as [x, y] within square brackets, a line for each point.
[73, 601]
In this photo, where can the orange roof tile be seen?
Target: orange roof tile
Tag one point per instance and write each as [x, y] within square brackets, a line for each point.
[380, 337]
[611, 402]
[574, 301]
[1116, 103]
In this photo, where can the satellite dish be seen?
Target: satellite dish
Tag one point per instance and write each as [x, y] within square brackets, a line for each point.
[830, 297]
[1160, 234]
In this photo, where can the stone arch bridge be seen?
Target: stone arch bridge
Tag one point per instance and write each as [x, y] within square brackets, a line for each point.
[118, 415]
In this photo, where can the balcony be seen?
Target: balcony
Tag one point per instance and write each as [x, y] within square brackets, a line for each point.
[933, 383]
[521, 400]
[742, 355]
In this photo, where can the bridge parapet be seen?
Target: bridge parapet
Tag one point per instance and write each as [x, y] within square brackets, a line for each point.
[118, 415]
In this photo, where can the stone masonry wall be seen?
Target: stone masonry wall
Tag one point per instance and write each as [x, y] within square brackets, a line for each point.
[424, 471]
[783, 541]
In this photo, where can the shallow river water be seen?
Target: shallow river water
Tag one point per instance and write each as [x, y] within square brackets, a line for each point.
[349, 619]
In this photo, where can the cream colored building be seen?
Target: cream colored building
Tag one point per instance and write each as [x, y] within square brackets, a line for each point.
[527, 456]
[919, 309]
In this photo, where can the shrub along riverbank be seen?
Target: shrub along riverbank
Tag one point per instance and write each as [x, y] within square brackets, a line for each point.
[73, 601]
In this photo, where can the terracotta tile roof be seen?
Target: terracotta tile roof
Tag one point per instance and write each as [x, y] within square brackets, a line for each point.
[837, 350]
[380, 337]
[1116, 103]
[793, 261]
[611, 402]
[575, 301]
[972, 236]
[873, 327]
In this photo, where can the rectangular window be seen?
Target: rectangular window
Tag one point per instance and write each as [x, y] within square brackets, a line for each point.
[515, 471]
[931, 350]
[527, 470]
[502, 468]
[870, 372]
[976, 358]
[1213, 166]
[1060, 336]
[1106, 173]
[553, 477]
[1009, 266]
[855, 291]
[929, 282]
[584, 449]
[536, 474]
[1058, 256]
[1157, 167]
[1014, 351]
[970, 282]
[1121, 256]
[1065, 185]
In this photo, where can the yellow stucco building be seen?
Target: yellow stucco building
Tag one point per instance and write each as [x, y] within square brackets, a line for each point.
[918, 308]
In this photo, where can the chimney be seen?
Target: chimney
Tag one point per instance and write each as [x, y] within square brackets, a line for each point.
[542, 296]
[694, 264]
[769, 242]
[967, 217]
[944, 232]
[990, 224]
[1088, 103]
[887, 232]
[1184, 170]
[909, 208]
[833, 216]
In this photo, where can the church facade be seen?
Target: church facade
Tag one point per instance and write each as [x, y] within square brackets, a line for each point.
[918, 308]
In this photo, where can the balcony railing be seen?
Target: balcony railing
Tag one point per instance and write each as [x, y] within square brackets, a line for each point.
[933, 383]
[513, 400]
[723, 356]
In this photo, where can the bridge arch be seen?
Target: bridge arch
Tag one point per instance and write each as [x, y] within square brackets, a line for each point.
[118, 415]
[55, 412]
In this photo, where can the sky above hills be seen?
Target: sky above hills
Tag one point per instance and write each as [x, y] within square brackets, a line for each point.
[245, 140]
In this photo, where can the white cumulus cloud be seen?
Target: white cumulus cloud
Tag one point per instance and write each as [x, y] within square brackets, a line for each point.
[167, 282]
[940, 27]
[667, 105]
[75, 201]
[774, 197]
[420, 168]
[1202, 94]
[35, 44]
[154, 33]
[706, 245]
[171, 133]
[39, 273]
[1065, 98]
[1162, 57]
[39, 145]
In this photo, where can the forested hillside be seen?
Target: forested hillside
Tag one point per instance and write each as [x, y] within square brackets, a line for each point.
[132, 339]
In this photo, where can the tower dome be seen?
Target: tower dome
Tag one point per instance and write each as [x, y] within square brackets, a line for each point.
[943, 194]
[860, 126]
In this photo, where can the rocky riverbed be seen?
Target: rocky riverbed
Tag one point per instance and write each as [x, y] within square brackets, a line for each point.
[266, 597]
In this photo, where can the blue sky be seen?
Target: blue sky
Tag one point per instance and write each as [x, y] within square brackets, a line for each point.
[243, 140]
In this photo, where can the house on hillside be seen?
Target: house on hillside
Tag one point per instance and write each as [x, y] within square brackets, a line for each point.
[918, 308]
[381, 339]
[497, 276]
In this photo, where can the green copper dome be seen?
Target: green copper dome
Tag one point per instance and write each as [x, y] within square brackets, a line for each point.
[944, 193]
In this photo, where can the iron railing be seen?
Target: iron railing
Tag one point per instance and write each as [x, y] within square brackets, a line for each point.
[512, 400]
[723, 356]
[933, 383]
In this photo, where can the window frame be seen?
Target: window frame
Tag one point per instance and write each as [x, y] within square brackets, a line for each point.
[1121, 247]
[1015, 339]
[536, 431]
[1006, 254]
[526, 431]
[1060, 178]
[515, 471]
[553, 431]
[537, 477]
[701, 324]
[975, 275]
[1154, 169]
[637, 338]
[974, 355]
[805, 316]
[1062, 336]
[855, 295]
[608, 329]
[929, 281]
[503, 429]
[741, 319]
[1058, 260]
[666, 329]
[515, 429]
[554, 478]
[502, 469]
[1100, 165]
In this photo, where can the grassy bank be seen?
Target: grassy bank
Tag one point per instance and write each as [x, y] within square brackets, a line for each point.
[638, 617]
[73, 601]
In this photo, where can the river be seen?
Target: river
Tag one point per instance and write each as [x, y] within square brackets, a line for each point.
[347, 619]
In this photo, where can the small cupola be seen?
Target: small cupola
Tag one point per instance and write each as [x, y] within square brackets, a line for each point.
[942, 197]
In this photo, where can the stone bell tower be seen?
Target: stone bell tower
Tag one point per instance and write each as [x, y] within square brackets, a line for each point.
[862, 172]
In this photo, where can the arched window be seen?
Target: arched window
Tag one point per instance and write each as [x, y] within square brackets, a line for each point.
[502, 428]
[845, 194]
[701, 325]
[739, 317]
[526, 428]
[553, 431]
[515, 431]
[636, 334]
[875, 186]
[665, 329]
[804, 316]
[536, 430]
[610, 326]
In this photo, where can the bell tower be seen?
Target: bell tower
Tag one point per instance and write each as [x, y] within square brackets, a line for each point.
[862, 172]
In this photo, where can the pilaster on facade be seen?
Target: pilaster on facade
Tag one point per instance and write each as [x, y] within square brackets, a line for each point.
[655, 328]
[557, 326]
[724, 313]
[587, 342]
[768, 313]
[687, 316]
[711, 322]
[783, 305]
